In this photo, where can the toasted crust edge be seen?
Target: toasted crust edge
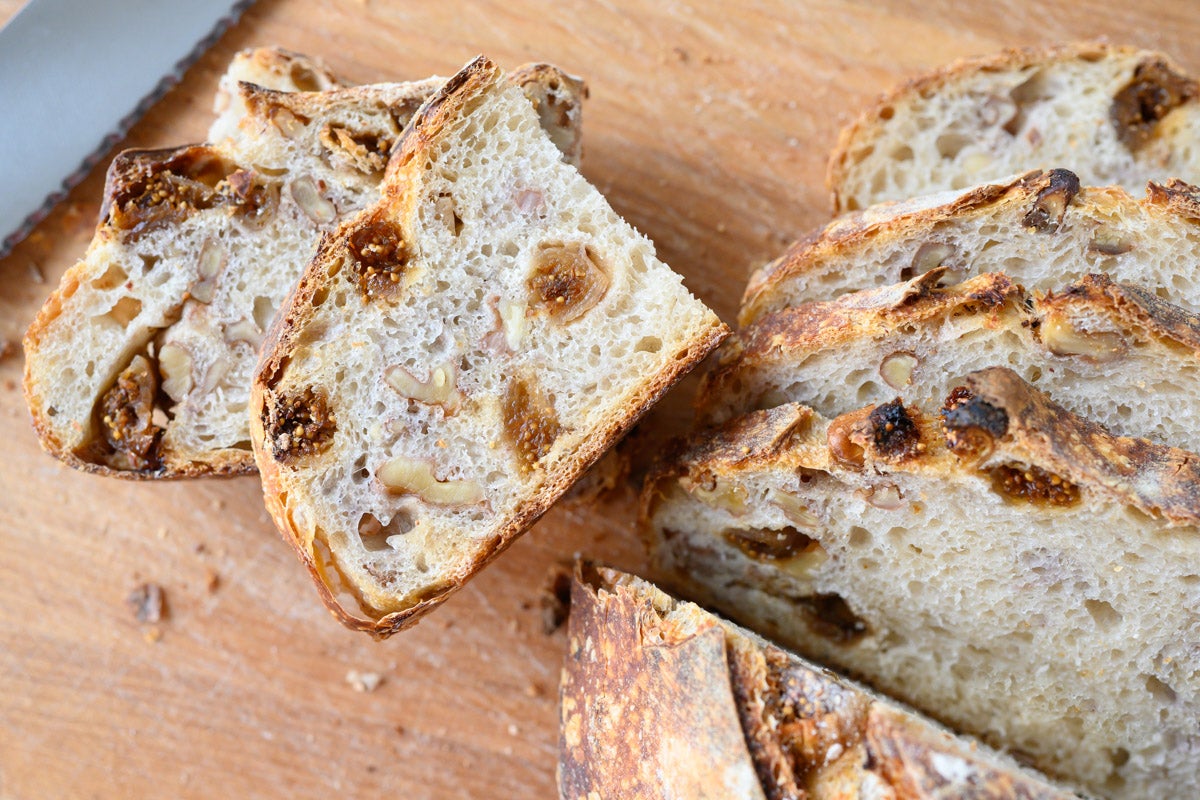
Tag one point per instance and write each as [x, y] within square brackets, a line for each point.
[938, 78]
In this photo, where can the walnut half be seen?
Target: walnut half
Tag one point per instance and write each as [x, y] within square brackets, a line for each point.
[402, 475]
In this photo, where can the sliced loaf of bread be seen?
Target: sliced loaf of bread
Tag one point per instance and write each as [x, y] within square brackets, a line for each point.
[1114, 353]
[456, 355]
[661, 699]
[1043, 230]
[139, 365]
[1011, 568]
[1113, 115]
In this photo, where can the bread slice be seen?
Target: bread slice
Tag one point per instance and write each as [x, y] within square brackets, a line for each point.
[456, 355]
[1112, 352]
[1113, 115]
[139, 365]
[661, 699]
[1011, 568]
[1043, 230]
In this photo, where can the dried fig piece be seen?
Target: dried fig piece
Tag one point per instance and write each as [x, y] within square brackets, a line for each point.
[530, 421]
[298, 425]
[894, 434]
[567, 281]
[365, 151]
[380, 256]
[972, 425]
[1034, 485]
[152, 189]
[126, 414]
[1154, 92]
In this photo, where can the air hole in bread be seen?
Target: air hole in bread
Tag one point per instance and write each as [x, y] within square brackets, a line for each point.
[949, 145]
[1103, 614]
[648, 344]
[304, 79]
[1029, 92]
[124, 311]
[902, 153]
[886, 113]
[1160, 691]
[113, 277]
[374, 534]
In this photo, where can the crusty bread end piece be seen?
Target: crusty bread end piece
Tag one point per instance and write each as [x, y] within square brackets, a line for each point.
[1111, 114]
[456, 355]
[1007, 566]
[661, 699]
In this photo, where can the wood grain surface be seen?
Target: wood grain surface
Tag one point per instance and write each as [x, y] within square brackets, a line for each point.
[707, 127]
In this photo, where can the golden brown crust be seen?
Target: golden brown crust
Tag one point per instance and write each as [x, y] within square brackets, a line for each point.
[820, 326]
[889, 222]
[646, 703]
[1129, 305]
[937, 80]
[1160, 481]
[645, 673]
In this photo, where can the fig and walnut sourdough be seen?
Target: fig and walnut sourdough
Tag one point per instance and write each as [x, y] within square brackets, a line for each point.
[1113, 115]
[456, 355]
[196, 249]
[1005, 565]
[662, 699]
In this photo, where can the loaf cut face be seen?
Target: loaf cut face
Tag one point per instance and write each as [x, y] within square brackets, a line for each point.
[662, 699]
[1044, 230]
[1007, 566]
[1113, 352]
[139, 365]
[456, 355]
[1111, 114]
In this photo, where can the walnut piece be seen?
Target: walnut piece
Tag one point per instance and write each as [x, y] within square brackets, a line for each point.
[897, 369]
[209, 265]
[175, 364]
[1063, 339]
[440, 389]
[315, 206]
[402, 475]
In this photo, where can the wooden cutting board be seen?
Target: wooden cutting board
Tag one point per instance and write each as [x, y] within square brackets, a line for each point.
[707, 127]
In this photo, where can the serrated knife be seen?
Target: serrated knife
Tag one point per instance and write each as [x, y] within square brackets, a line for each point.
[74, 76]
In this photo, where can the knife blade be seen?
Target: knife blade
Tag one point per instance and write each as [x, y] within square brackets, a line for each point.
[74, 77]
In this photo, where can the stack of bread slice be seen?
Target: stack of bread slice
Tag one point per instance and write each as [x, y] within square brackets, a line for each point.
[955, 447]
[450, 323]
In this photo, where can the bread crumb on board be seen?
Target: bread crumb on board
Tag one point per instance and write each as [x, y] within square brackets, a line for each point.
[363, 681]
[149, 603]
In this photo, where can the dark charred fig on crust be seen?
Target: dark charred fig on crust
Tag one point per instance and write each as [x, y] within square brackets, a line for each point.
[972, 425]
[297, 425]
[893, 432]
[530, 422]
[1050, 207]
[1153, 93]
[126, 413]
[380, 256]
[1034, 485]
